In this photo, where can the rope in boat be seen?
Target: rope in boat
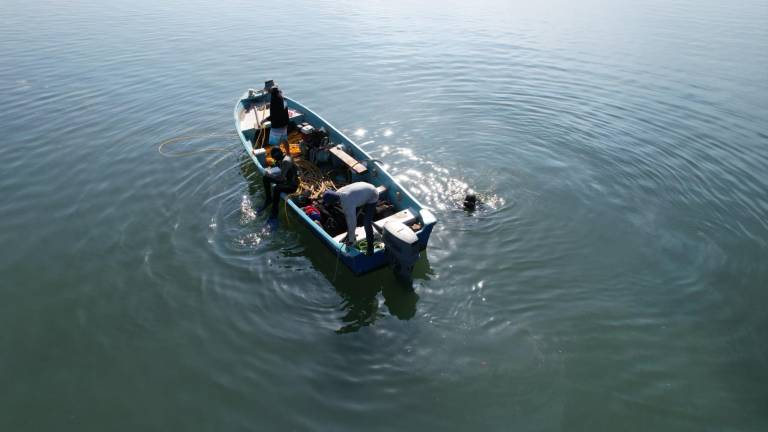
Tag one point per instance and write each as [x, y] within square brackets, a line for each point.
[312, 182]
[181, 138]
[262, 137]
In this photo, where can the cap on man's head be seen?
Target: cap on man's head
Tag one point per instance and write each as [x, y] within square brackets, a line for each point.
[330, 197]
[276, 153]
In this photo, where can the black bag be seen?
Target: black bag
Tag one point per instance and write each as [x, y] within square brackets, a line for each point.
[331, 218]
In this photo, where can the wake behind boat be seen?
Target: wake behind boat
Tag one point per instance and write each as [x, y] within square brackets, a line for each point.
[327, 160]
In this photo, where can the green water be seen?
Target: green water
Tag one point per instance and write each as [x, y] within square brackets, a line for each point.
[615, 278]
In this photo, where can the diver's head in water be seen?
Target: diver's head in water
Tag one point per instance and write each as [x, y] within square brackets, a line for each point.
[470, 201]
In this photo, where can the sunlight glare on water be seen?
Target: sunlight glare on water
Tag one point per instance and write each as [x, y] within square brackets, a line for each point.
[613, 276]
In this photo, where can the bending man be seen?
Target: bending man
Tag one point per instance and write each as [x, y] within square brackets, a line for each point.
[352, 196]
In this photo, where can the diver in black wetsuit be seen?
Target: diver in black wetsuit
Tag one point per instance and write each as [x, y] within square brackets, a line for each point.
[285, 180]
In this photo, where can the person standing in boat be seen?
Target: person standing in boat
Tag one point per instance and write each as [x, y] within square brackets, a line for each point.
[285, 178]
[278, 116]
[352, 196]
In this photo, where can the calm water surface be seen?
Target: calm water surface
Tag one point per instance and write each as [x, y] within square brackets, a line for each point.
[614, 280]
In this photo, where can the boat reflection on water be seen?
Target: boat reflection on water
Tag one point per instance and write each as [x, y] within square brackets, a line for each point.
[360, 300]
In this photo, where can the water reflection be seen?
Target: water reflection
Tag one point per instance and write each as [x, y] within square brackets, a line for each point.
[360, 299]
[434, 185]
[250, 174]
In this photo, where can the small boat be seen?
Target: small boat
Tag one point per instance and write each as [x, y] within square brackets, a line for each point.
[323, 154]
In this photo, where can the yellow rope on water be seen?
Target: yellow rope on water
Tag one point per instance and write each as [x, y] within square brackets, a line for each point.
[181, 138]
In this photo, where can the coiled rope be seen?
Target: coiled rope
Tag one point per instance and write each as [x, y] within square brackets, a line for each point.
[312, 182]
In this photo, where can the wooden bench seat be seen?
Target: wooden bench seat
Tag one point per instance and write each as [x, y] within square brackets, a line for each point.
[351, 162]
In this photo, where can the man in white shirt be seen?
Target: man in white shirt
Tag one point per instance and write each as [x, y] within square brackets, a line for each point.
[352, 196]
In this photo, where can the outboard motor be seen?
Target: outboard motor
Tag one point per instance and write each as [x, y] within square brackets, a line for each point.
[401, 247]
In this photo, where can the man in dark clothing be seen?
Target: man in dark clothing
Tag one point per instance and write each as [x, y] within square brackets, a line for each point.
[278, 118]
[285, 178]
